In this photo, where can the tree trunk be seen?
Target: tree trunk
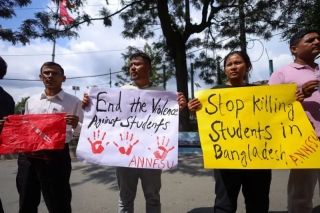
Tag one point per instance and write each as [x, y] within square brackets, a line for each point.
[180, 62]
[177, 48]
[243, 39]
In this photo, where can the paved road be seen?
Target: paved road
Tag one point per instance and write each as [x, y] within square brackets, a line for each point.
[189, 189]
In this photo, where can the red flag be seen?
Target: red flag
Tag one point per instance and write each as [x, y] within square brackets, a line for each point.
[29, 133]
[65, 18]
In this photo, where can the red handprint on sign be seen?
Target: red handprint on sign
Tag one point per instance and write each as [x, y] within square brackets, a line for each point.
[96, 146]
[129, 139]
[163, 147]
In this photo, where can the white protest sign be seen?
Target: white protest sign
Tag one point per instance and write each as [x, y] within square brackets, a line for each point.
[130, 128]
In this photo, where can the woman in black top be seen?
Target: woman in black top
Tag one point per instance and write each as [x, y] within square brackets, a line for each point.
[255, 183]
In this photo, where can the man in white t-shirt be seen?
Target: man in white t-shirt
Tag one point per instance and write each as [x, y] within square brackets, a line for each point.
[127, 178]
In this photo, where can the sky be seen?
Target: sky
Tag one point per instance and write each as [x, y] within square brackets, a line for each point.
[98, 50]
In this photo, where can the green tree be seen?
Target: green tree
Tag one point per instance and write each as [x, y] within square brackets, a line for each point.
[142, 18]
[248, 18]
[19, 108]
[299, 15]
[157, 62]
[7, 12]
[177, 28]
[45, 24]
[234, 26]
[211, 69]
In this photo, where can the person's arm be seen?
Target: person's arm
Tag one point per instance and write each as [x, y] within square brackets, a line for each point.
[181, 101]
[79, 113]
[193, 106]
[11, 106]
[85, 101]
[10, 111]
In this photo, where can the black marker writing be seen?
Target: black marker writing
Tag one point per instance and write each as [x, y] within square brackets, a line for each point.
[229, 106]
[138, 106]
[222, 131]
[156, 108]
[106, 106]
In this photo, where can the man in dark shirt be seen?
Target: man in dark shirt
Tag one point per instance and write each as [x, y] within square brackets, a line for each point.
[6, 103]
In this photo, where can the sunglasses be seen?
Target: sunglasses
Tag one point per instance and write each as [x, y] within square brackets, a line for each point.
[47, 73]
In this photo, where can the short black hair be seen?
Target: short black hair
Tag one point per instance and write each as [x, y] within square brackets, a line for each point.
[243, 55]
[3, 68]
[50, 63]
[141, 55]
[297, 37]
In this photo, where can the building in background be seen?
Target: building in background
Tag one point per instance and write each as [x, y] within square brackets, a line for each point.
[263, 82]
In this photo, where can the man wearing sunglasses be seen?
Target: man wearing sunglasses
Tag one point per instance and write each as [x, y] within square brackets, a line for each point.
[49, 175]
[6, 103]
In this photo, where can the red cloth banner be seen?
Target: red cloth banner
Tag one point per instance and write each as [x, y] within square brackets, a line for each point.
[65, 18]
[34, 132]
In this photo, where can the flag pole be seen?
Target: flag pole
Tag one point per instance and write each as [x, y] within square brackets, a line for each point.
[54, 45]
[54, 36]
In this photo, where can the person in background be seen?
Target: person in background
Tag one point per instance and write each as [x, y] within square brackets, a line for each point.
[6, 104]
[49, 176]
[305, 47]
[127, 178]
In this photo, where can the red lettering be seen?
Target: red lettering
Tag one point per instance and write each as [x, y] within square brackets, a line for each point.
[310, 146]
[155, 162]
[301, 154]
[133, 160]
[314, 142]
[315, 136]
[149, 162]
[168, 165]
[140, 162]
[306, 150]
[294, 159]
[163, 165]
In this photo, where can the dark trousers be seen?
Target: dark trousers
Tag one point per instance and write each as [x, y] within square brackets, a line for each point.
[1, 208]
[255, 188]
[50, 176]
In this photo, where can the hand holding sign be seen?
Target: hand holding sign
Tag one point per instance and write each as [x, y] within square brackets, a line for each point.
[181, 101]
[309, 88]
[72, 120]
[299, 96]
[85, 101]
[194, 105]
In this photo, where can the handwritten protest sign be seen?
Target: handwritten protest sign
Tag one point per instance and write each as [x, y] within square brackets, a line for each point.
[259, 127]
[130, 128]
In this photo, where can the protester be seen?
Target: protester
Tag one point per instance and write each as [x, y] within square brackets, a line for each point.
[305, 47]
[255, 183]
[127, 178]
[6, 104]
[49, 176]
